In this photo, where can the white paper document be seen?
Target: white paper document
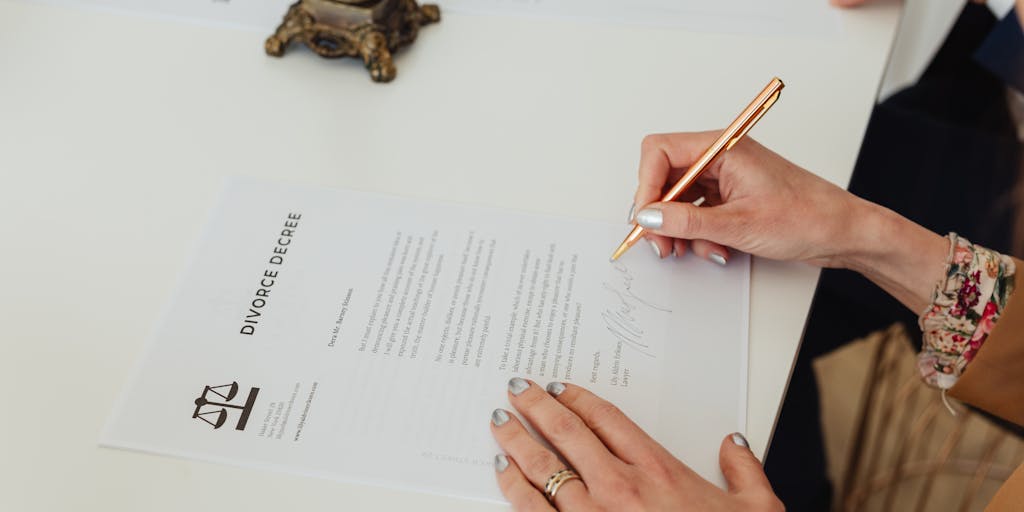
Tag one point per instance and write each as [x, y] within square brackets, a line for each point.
[367, 338]
[263, 15]
[773, 17]
[788, 17]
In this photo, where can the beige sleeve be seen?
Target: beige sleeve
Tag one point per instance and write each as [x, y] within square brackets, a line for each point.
[994, 380]
[1010, 497]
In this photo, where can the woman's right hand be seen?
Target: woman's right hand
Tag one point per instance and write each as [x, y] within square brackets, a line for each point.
[763, 204]
[757, 202]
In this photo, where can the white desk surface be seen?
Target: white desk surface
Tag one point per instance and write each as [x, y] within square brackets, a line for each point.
[115, 132]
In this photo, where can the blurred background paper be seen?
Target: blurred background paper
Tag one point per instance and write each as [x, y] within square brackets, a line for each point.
[248, 14]
[790, 17]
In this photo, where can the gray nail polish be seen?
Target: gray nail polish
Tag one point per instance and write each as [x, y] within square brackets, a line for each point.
[517, 385]
[739, 440]
[556, 388]
[655, 248]
[632, 214]
[499, 417]
[717, 258]
[650, 218]
[500, 463]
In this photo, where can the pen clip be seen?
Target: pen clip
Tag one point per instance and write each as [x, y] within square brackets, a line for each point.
[753, 120]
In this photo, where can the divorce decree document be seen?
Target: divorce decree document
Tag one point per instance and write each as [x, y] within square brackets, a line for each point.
[367, 338]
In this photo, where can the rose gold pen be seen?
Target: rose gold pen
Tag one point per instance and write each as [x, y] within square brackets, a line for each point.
[746, 120]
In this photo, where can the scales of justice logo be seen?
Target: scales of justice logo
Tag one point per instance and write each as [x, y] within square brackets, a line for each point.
[215, 411]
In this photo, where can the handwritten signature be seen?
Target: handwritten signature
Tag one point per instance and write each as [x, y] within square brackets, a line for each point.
[620, 319]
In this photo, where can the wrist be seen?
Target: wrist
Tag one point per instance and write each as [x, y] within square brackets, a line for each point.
[902, 257]
[869, 237]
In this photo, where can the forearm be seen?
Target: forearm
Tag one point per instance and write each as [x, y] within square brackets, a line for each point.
[901, 257]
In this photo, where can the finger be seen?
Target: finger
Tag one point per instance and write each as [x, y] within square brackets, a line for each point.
[523, 496]
[620, 434]
[664, 247]
[660, 246]
[696, 194]
[537, 462]
[562, 428]
[661, 154]
[679, 247]
[710, 251]
[683, 220]
[847, 3]
[742, 471]
[572, 495]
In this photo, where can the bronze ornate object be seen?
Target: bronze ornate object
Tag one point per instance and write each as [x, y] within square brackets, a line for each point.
[368, 29]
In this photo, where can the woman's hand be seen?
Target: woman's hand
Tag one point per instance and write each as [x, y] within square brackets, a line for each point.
[763, 204]
[760, 203]
[620, 466]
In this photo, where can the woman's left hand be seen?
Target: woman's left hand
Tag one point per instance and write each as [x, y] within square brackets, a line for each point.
[620, 466]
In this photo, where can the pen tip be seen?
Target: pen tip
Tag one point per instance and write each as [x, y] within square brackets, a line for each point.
[618, 252]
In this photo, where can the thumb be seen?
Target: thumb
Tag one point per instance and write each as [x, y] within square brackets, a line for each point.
[742, 471]
[689, 222]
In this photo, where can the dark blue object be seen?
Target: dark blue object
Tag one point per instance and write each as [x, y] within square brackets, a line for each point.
[1002, 52]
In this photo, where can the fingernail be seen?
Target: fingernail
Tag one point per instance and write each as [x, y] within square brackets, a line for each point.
[517, 385]
[632, 213]
[650, 218]
[739, 440]
[717, 258]
[500, 463]
[556, 388]
[700, 200]
[499, 417]
[654, 246]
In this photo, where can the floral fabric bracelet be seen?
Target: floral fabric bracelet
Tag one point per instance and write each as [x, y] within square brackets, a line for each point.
[965, 307]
